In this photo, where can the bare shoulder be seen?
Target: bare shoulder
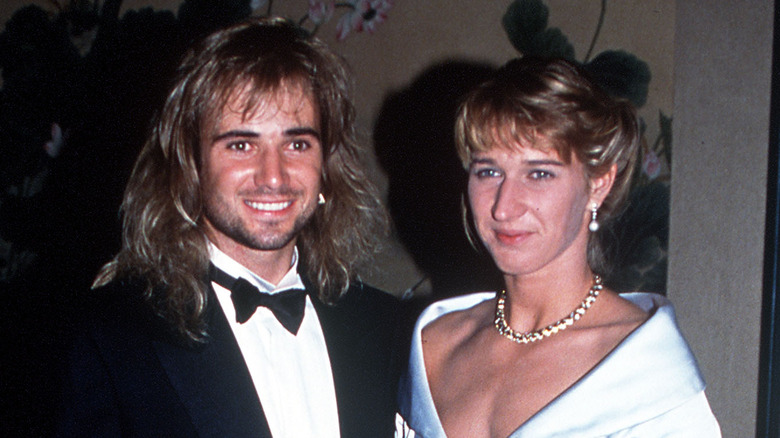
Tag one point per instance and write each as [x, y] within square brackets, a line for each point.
[622, 310]
[615, 318]
[441, 337]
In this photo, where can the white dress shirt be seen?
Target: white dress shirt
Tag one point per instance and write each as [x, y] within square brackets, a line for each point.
[291, 373]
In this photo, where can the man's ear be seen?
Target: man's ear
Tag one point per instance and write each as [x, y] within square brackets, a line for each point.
[601, 185]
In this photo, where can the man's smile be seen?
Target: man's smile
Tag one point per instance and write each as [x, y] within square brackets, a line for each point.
[269, 206]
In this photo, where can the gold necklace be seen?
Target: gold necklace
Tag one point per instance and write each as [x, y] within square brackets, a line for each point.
[560, 325]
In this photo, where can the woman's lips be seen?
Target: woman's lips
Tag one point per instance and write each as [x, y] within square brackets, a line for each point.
[512, 237]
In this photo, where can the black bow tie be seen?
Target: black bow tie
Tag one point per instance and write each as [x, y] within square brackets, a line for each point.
[287, 306]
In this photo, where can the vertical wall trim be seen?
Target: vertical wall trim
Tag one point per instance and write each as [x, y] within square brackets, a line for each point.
[768, 415]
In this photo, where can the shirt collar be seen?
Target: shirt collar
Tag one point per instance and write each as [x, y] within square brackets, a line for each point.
[291, 280]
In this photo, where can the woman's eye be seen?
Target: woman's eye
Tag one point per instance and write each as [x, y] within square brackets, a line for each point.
[486, 173]
[541, 174]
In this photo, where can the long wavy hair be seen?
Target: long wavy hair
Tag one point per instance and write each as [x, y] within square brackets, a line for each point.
[534, 97]
[163, 241]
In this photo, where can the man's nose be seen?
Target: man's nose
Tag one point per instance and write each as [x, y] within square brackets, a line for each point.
[270, 168]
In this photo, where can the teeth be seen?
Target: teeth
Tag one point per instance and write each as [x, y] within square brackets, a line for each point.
[269, 206]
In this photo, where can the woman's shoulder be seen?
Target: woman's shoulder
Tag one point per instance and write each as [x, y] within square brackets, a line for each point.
[448, 323]
[452, 306]
[619, 311]
[650, 302]
[443, 314]
[661, 321]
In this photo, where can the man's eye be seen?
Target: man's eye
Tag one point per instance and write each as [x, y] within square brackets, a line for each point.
[299, 145]
[239, 146]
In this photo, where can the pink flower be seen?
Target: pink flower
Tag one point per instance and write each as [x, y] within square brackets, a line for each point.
[321, 11]
[365, 15]
[651, 165]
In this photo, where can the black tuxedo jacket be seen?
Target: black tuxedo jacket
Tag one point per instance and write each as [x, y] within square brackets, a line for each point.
[129, 375]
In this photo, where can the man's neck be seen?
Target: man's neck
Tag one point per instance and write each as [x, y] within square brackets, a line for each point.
[271, 266]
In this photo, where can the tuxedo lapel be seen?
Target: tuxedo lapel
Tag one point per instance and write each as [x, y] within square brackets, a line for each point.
[338, 338]
[360, 336]
[213, 381]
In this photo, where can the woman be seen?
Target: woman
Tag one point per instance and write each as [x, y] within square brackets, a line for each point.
[549, 157]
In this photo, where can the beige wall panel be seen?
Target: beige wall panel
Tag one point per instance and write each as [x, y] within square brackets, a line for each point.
[722, 70]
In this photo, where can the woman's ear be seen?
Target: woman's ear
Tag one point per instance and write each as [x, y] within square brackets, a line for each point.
[601, 185]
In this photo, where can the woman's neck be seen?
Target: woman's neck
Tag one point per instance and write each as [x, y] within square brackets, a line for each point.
[535, 300]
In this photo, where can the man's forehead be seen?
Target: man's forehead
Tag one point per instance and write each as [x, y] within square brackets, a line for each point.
[250, 101]
[249, 98]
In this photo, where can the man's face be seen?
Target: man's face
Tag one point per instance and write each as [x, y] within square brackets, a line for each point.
[260, 172]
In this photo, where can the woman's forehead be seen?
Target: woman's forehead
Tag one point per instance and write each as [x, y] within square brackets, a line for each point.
[509, 140]
[517, 138]
[517, 151]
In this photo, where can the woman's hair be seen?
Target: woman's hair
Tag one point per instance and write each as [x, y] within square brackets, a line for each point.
[530, 98]
[163, 237]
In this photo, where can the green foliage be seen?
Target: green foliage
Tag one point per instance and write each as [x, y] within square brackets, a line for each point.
[621, 74]
[618, 72]
[525, 23]
[665, 137]
[637, 240]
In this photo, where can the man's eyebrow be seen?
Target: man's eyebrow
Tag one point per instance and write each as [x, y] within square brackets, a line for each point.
[303, 130]
[292, 132]
[234, 134]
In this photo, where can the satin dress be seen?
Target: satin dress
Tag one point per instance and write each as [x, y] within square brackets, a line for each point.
[649, 386]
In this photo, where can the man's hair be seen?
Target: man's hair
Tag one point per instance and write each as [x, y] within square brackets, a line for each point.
[163, 240]
[532, 97]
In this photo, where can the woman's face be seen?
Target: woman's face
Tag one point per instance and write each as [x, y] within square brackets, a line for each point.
[530, 208]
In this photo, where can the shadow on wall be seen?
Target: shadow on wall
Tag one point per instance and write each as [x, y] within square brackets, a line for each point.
[414, 141]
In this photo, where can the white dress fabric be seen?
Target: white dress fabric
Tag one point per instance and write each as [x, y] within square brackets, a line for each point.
[649, 386]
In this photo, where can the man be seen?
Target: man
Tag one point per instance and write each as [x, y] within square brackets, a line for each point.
[250, 183]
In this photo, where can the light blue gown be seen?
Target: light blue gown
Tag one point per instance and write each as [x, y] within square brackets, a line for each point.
[649, 386]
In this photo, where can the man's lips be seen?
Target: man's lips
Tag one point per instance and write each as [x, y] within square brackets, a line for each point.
[268, 206]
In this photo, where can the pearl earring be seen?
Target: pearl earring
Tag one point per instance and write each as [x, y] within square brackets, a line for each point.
[321, 199]
[593, 226]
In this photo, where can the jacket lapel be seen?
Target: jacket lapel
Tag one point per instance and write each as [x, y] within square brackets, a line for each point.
[359, 334]
[213, 381]
[332, 320]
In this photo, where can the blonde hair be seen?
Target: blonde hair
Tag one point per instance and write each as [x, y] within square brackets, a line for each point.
[535, 97]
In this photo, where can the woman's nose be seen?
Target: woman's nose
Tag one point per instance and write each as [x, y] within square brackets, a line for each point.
[510, 202]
